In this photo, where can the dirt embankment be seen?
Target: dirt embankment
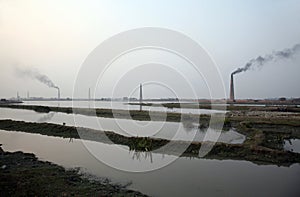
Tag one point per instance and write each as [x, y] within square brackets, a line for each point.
[113, 113]
[257, 148]
[22, 174]
[275, 107]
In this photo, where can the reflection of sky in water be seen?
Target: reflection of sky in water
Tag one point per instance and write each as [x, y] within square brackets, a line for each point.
[185, 176]
[116, 105]
[292, 145]
[167, 130]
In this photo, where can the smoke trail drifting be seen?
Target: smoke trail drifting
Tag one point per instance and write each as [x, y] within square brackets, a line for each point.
[34, 74]
[260, 61]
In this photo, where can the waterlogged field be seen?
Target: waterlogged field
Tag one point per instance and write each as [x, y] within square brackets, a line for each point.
[115, 105]
[185, 176]
[165, 130]
[228, 170]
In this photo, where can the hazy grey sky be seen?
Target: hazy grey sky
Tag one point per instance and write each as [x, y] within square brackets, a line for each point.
[55, 37]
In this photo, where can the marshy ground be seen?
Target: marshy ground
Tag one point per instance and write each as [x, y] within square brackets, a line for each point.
[266, 130]
[22, 174]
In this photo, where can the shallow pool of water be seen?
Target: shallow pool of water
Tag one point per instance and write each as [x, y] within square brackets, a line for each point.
[292, 145]
[117, 105]
[183, 177]
[168, 130]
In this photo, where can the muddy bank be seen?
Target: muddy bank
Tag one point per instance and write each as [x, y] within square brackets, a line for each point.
[270, 133]
[22, 174]
[247, 113]
[274, 107]
[114, 113]
[254, 149]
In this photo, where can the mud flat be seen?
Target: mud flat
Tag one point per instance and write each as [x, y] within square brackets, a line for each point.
[22, 174]
[234, 113]
[260, 147]
[280, 107]
[265, 131]
[112, 113]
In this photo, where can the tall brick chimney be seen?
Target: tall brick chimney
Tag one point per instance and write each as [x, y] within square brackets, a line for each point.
[232, 89]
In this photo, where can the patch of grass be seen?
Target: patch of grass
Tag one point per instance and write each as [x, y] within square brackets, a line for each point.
[23, 175]
[254, 149]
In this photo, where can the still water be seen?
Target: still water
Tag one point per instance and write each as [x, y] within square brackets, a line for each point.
[116, 105]
[292, 145]
[167, 130]
[184, 177]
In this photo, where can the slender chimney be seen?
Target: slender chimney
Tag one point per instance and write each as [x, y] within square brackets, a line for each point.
[89, 94]
[58, 94]
[141, 96]
[27, 94]
[232, 89]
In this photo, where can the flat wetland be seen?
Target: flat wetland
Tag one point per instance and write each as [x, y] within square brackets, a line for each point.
[22, 174]
[266, 129]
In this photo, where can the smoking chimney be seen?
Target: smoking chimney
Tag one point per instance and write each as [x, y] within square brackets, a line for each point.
[58, 94]
[232, 89]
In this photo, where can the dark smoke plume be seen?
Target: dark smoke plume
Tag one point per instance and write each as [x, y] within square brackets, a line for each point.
[34, 74]
[260, 61]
